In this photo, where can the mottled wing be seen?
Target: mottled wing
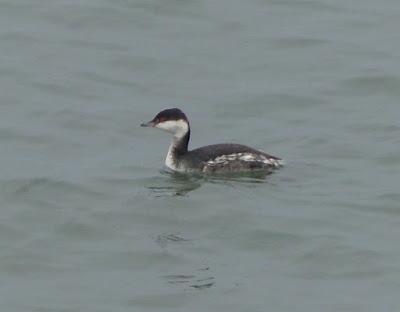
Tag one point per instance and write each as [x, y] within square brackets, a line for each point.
[233, 158]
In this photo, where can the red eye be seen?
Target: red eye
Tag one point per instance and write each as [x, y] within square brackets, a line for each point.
[162, 119]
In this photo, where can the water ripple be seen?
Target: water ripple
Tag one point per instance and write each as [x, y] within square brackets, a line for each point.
[201, 280]
[372, 84]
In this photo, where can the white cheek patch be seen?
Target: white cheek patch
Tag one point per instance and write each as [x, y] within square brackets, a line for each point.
[177, 127]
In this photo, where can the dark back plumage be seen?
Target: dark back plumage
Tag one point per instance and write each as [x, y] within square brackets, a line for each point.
[208, 152]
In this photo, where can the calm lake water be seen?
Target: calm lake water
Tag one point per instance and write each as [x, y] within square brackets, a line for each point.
[88, 220]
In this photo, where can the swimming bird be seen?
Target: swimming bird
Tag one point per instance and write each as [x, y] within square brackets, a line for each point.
[217, 158]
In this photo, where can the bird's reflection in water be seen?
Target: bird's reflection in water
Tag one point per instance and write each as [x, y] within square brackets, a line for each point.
[173, 184]
[180, 184]
[249, 178]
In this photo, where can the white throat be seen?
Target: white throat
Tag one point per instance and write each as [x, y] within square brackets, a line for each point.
[169, 160]
[178, 128]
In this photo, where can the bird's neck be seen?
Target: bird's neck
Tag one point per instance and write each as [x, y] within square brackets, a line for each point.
[177, 148]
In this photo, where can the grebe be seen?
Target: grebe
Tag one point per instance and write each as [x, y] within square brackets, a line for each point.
[217, 158]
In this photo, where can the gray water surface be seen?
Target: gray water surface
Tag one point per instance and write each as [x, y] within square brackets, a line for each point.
[88, 220]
